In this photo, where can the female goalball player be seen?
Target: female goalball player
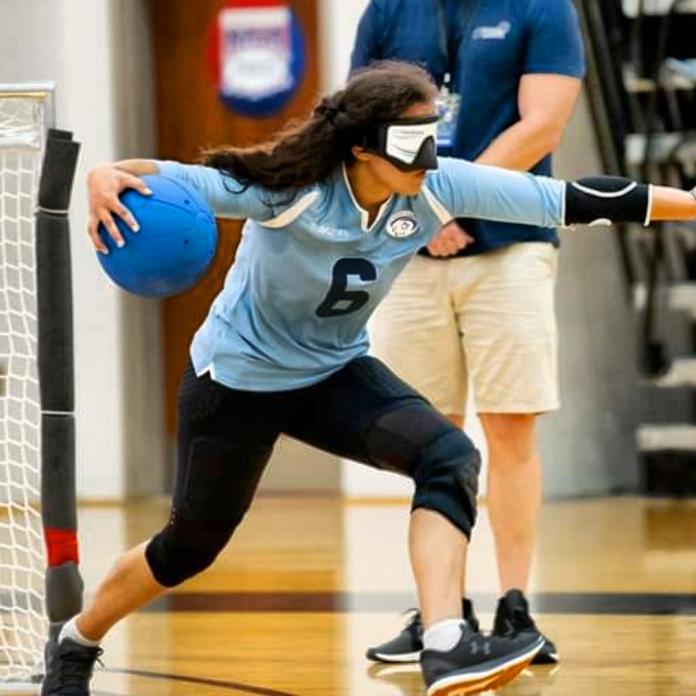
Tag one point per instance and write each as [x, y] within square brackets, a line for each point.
[336, 205]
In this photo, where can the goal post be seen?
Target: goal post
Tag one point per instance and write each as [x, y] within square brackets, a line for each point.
[39, 576]
[56, 377]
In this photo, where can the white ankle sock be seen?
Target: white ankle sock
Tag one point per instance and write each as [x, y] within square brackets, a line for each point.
[444, 635]
[71, 631]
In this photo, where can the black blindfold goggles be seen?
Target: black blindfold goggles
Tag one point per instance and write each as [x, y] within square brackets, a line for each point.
[409, 143]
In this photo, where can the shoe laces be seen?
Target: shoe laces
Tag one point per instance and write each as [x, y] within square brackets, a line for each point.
[520, 620]
[75, 666]
[413, 622]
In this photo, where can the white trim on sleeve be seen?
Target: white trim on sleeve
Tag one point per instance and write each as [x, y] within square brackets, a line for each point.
[648, 212]
[605, 194]
[292, 213]
[441, 213]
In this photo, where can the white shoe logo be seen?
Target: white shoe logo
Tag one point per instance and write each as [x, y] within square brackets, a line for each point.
[476, 648]
[492, 33]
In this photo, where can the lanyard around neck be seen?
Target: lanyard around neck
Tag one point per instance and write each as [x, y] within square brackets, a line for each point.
[443, 32]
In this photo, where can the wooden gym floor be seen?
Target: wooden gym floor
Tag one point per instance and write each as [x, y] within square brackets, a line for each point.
[308, 583]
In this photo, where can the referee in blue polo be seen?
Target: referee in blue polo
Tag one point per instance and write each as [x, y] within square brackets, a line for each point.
[477, 306]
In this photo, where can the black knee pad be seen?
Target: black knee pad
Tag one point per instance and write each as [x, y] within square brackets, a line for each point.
[447, 479]
[219, 485]
[183, 549]
[420, 442]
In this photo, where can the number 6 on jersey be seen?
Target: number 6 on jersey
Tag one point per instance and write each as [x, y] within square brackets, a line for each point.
[351, 300]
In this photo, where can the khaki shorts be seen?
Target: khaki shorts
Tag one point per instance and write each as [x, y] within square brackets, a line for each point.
[486, 319]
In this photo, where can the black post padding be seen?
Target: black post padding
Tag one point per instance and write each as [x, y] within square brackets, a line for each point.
[64, 587]
[57, 174]
[58, 496]
[64, 590]
[55, 326]
[59, 134]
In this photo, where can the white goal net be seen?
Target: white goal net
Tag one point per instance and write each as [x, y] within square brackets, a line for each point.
[25, 114]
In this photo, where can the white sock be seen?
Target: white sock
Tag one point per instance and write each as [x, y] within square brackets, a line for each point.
[444, 635]
[71, 631]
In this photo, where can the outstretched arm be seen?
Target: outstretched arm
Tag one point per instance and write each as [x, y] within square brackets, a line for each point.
[463, 189]
[606, 199]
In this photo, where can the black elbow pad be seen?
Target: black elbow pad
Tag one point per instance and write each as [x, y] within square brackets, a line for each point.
[604, 200]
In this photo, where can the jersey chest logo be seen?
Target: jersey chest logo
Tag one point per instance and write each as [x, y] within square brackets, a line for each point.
[402, 225]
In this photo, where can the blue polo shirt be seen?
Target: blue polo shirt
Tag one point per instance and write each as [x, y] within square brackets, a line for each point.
[487, 46]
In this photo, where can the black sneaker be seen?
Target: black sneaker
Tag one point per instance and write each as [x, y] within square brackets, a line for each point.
[407, 646]
[477, 663]
[512, 617]
[69, 667]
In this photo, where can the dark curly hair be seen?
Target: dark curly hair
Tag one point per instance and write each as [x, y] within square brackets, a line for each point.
[307, 151]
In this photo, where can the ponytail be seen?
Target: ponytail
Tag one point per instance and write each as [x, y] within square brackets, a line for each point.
[308, 151]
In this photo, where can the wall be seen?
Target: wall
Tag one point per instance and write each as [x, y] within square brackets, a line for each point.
[74, 42]
[359, 481]
[190, 115]
[141, 335]
[588, 447]
[356, 481]
[99, 54]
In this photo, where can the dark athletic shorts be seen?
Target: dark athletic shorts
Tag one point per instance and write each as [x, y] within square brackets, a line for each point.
[226, 436]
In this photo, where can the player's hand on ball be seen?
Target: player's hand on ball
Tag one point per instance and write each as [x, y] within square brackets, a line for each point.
[449, 240]
[104, 184]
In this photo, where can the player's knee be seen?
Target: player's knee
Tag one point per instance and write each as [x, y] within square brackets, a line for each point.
[419, 441]
[220, 485]
[184, 549]
[446, 478]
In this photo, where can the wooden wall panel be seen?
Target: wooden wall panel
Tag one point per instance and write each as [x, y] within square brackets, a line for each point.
[191, 117]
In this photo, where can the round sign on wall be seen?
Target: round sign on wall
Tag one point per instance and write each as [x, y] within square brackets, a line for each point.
[258, 56]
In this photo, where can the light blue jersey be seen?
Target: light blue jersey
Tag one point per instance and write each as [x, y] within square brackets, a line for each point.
[310, 270]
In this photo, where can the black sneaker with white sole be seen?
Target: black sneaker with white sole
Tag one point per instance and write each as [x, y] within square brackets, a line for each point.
[512, 617]
[477, 663]
[69, 667]
[407, 646]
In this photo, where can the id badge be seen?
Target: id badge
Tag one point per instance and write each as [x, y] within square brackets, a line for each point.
[447, 104]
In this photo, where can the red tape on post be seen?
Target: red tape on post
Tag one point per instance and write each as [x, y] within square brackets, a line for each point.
[61, 545]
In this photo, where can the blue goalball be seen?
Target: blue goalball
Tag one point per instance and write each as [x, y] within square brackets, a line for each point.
[174, 247]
